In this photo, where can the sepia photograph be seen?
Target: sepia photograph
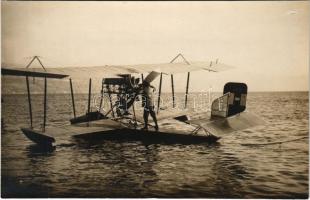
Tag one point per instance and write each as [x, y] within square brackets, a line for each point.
[159, 99]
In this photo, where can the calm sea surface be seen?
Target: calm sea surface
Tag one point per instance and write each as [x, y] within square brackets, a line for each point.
[132, 169]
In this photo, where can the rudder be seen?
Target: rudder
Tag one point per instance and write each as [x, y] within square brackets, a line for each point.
[232, 102]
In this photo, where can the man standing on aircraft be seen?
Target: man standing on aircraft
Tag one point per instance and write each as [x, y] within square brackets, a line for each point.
[148, 104]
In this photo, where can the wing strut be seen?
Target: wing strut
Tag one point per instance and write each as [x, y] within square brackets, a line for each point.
[72, 97]
[172, 87]
[89, 96]
[187, 84]
[180, 55]
[38, 59]
[101, 98]
[159, 91]
[29, 101]
[45, 107]
[111, 103]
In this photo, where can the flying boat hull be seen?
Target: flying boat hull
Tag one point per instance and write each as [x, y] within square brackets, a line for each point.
[107, 129]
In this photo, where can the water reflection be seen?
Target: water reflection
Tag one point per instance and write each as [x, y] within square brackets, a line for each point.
[204, 172]
[128, 167]
[35, 150]
[26, 174]
[228, 175]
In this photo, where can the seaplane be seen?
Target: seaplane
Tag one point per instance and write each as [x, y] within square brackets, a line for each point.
[121, 122]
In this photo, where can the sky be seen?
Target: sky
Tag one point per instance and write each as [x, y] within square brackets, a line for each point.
[266, 41]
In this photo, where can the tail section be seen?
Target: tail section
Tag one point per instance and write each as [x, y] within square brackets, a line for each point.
[238, 93]
[232, 102]
[227, 112]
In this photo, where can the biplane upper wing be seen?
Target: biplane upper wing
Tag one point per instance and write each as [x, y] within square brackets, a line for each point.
[113, 70]
[30, 72]
[171, 68]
